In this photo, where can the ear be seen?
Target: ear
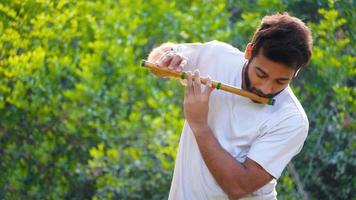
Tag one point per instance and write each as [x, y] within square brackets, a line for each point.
[248, 51]
[296, 73]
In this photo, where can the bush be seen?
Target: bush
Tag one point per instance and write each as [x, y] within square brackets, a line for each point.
[80, 119]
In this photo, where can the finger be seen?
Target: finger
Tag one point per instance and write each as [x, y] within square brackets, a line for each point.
[176, 59]
[197, 84]
[209, 87]
[186, 92]
[182, 65]
[165, 59]
[190, 83]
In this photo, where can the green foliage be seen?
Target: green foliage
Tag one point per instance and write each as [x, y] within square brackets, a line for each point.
[327, 90]
[79, 119]
[330, 101]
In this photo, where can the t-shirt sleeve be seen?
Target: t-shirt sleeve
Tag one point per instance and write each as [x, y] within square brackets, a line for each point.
[198, 54]
[191, 51]
[274, 149]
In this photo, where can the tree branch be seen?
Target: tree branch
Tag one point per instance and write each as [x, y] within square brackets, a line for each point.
[291, 169]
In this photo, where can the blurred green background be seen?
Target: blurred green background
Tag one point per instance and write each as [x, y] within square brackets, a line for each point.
[79, 118]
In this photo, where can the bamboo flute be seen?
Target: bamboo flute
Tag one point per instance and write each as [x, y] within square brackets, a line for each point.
[164, 71]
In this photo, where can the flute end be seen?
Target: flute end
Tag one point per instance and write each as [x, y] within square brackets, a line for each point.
[143, 63]
[271, 101]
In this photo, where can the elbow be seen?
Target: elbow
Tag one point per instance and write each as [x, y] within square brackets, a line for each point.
[236, 194]
[234, 188]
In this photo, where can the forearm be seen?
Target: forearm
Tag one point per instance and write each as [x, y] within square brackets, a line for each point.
[157, 52]
[235, 178]
[227, 172]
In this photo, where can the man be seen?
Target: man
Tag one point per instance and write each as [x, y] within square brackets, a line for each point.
[232, 147]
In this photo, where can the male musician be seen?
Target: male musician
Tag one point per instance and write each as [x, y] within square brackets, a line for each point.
[232, 147]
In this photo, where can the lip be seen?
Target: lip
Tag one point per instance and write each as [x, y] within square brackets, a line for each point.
[265, 96]
[259, 94]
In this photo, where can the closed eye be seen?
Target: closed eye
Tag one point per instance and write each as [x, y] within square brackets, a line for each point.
[281, 82]
[260, 73]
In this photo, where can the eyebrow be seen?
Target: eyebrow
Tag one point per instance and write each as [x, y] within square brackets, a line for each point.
[264, 73]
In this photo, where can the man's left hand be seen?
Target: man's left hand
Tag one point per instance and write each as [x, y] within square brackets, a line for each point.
[196, 102]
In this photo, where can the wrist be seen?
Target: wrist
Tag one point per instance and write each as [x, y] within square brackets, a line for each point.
[201, 129]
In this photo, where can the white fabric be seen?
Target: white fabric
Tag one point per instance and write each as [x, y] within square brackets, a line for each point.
[269, 135]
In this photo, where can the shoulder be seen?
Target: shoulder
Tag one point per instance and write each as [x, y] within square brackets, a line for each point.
[217, 59]
[289, 113]
[222, 59]
[215, 47]
[220, 47]
[222, 53]
[293, 105]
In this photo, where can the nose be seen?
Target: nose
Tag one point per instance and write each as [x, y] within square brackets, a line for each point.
[266, 88]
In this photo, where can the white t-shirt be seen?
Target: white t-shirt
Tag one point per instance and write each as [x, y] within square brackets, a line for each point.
[269, 135]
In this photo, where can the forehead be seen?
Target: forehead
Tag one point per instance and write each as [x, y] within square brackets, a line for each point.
[272, 68]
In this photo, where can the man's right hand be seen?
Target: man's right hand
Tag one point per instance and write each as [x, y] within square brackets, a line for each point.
[173, 60]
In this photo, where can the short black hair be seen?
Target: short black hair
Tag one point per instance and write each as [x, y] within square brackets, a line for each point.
[283, 38]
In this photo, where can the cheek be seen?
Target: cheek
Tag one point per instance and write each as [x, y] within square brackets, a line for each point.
[255, 81]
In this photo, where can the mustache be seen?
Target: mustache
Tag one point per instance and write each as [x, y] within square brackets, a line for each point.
[260, 93]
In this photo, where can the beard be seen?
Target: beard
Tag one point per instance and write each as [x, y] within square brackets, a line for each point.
[249, 87]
